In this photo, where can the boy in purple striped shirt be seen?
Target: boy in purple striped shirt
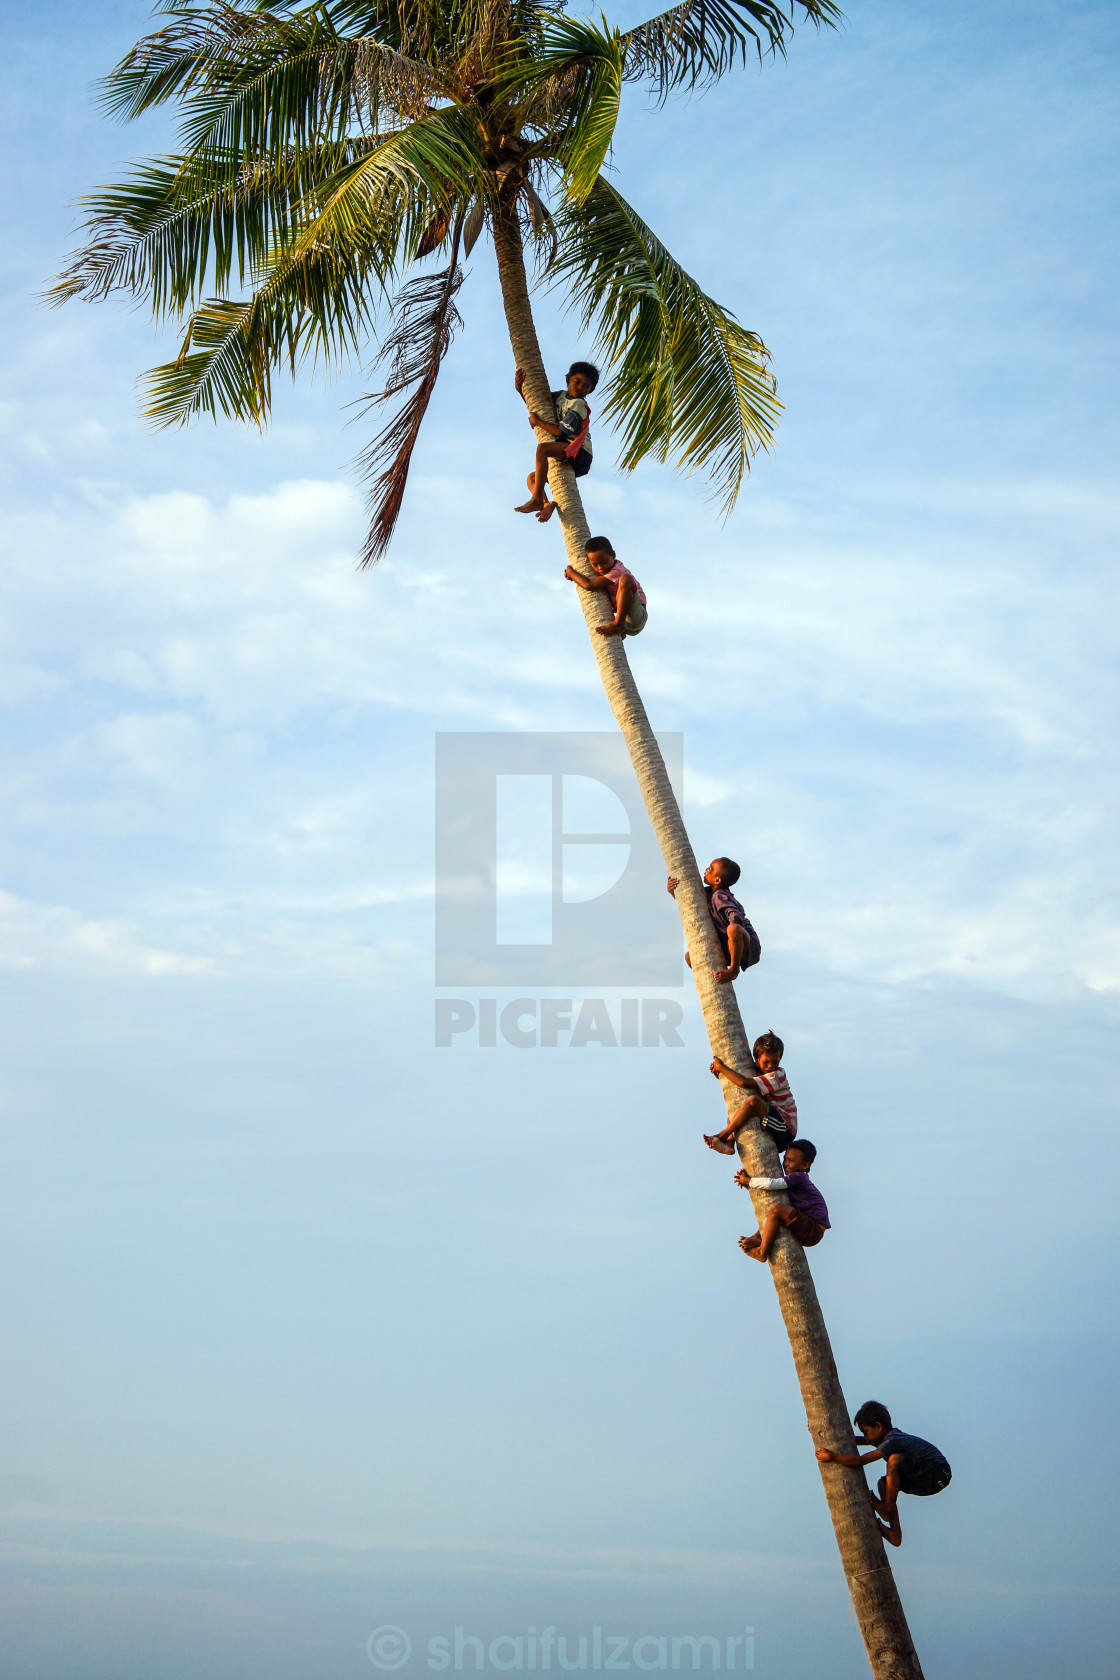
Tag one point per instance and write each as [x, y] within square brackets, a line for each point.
[738, 941]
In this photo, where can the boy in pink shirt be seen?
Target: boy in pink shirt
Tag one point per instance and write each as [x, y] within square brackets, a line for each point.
[626, 594]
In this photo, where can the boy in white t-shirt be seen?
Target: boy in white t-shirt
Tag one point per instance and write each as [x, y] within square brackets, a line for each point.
[569, 440]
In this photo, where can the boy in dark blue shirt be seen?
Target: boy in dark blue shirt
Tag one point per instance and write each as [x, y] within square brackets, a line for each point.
[913, 1465]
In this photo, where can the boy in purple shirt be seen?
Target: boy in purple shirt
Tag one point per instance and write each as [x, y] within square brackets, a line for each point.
[913, 1465]
[805, 1217]
[738, 940]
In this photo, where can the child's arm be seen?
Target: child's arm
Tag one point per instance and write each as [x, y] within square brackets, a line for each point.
[585, 582]
[852, 1460]
[742, 1080]
[744, 1180]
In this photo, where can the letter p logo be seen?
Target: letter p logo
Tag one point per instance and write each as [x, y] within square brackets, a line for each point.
[547, 870]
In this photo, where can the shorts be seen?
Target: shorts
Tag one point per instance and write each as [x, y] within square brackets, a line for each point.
[581, 463]
[806, 1229]
[777, 1131]
[635, 621]
[924, 1480]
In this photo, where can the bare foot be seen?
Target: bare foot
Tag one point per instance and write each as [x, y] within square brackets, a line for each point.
[717, 1143]
[724, 975]
[533, 505]
[610, 629]
[752, 1247]
[546, 513]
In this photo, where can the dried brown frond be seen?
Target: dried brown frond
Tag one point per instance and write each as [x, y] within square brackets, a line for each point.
[434, 235]
[425, 321]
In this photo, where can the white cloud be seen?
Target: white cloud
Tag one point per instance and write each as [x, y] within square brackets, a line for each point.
[868, 722]
[54, 938]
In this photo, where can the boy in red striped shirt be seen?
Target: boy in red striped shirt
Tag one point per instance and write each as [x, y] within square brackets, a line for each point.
[771, 1102]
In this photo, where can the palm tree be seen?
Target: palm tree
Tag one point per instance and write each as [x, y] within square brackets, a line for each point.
[329, 148]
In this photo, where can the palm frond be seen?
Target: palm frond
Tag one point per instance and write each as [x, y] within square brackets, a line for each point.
[695, 43]
[425, 320]
[581, 68]
[384, 76]
[254, 83]
[318, 292]
[176, 225]
[431, 166]
[163, 65]
[687, 380]
[319, 303]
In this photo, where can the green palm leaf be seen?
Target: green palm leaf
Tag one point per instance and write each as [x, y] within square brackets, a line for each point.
[695, 43]
[260, 84]
[329, 145]
[179, 224]
[318, 303]
[687, 380]
[581, 66]
[319, 292]
[400, 183]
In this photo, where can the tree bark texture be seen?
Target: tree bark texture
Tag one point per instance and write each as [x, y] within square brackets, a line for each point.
[875, 1599]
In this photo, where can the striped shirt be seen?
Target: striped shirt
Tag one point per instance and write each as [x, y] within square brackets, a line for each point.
[775, 1088]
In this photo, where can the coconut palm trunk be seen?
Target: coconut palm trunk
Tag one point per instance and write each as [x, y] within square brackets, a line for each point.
[878, 1609]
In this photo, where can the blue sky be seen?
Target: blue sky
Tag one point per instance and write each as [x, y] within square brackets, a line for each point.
[313, 1327]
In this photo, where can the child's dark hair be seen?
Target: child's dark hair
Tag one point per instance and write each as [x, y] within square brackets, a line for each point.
[873, 1411]
[598, 545]
[589, 371]
[808, 1150]
[769, 1041]
[729, 871]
